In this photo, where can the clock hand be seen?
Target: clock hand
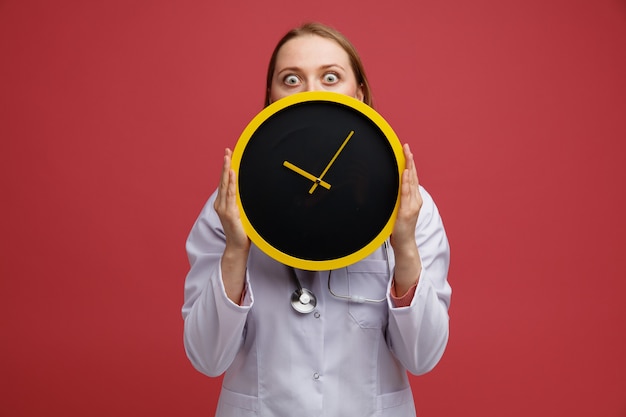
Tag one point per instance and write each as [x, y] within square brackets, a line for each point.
[332, 161]
[306, 175]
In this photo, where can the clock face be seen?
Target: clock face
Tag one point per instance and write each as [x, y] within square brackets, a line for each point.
[318, 180]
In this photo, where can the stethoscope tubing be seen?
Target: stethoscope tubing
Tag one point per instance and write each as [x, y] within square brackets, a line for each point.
[304, 301]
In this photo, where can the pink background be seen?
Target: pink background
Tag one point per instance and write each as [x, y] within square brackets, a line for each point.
[113, 119]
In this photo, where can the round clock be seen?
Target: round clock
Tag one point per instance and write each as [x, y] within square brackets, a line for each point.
[318, 180]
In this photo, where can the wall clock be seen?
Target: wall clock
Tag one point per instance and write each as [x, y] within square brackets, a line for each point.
[318, 180]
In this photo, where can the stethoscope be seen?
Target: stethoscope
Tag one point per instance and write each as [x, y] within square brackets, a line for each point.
[304, 301]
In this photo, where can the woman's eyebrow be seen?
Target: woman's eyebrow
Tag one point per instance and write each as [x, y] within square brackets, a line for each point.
[290, 69]
[332, 66]
[298, 69]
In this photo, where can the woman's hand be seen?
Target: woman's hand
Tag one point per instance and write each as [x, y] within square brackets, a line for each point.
[226, 207]
[408, 264]
[235, 256]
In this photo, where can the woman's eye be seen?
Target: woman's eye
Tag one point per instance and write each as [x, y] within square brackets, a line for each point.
[331, 78]
[291, 80]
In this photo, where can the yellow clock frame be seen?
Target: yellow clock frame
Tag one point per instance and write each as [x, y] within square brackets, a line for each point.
[317, 96]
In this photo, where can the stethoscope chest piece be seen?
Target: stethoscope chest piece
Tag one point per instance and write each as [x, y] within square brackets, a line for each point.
[303, 300]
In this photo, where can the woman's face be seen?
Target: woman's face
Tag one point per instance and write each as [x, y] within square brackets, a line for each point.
[313, 63]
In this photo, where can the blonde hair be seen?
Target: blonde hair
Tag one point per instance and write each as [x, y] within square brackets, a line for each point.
[319, 29]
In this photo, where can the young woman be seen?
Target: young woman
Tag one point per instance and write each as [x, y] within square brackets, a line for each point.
[343, 359]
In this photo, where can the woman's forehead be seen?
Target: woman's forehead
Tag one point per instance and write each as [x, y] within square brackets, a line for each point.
[311, 50]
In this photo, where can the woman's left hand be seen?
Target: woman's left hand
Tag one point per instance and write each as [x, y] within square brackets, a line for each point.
[408, 265]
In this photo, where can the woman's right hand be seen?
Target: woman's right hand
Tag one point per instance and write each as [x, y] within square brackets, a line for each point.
[235, 257]
[227, 209]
